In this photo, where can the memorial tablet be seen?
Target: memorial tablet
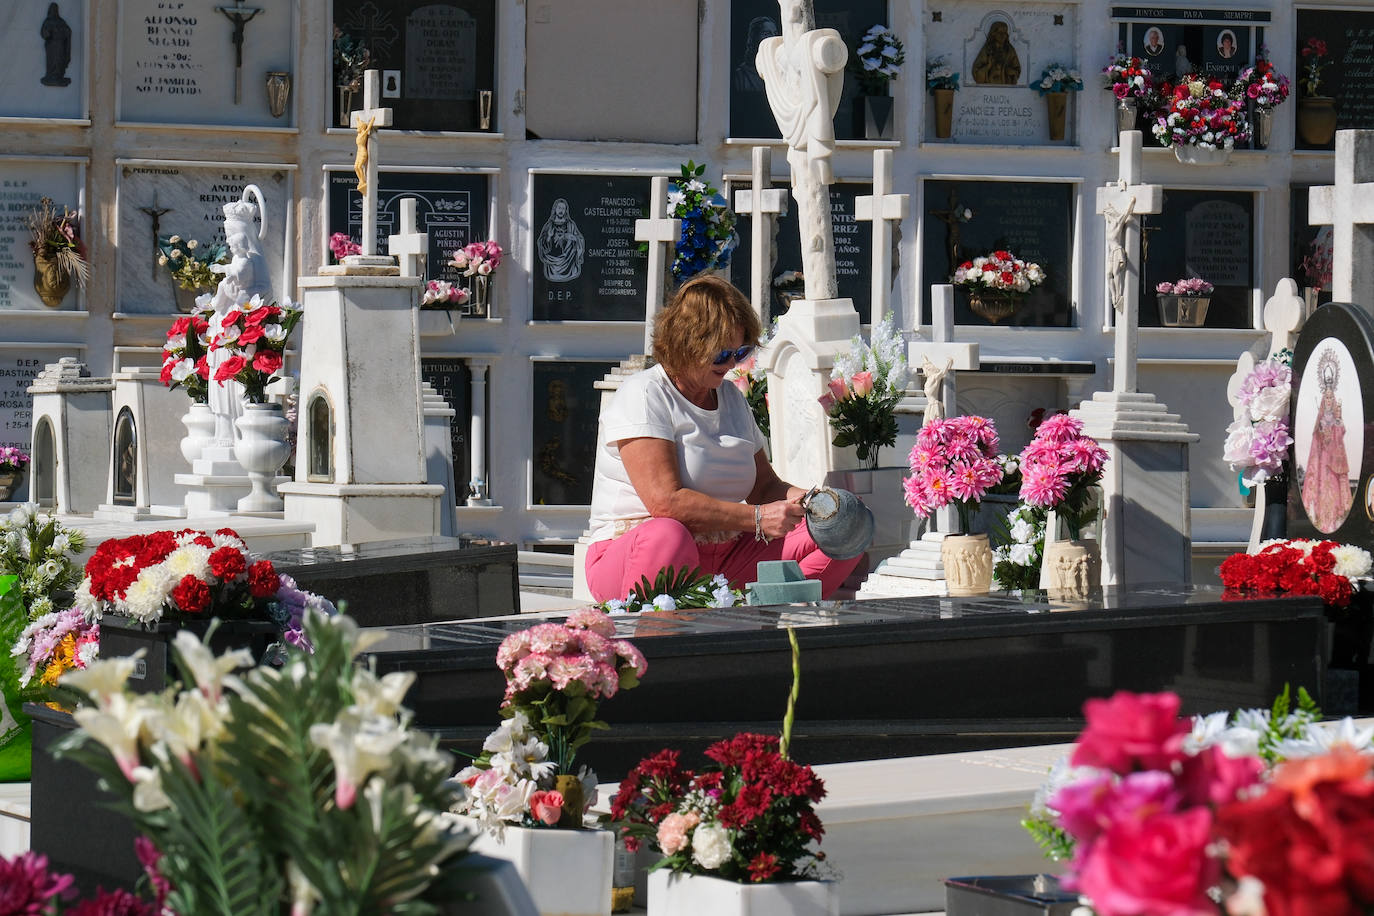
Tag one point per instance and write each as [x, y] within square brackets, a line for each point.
[1348, 74]
[567, 409]
[42, 59]
[1207, 234]
[438, 60]
[1176, 41]
[18, 369]
[453, 380]
[24, 185]
[587, 264]
[1031, 219]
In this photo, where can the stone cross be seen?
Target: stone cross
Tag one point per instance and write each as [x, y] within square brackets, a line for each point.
[366, 121]
[1283, 316]
[1121, 203]
[411, 246]
[661, 232]
[884, 208]
[1348, 208]
[761, 202]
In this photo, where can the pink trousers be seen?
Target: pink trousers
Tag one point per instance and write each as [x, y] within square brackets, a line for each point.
[614, 567]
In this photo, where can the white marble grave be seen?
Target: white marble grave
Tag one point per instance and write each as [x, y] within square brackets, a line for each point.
[30, 47]
[155, 459]
[1348, 207]
[71, 437]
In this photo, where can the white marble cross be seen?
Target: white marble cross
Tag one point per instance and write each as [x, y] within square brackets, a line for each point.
[1348, 208]
[883, 208]
[1122, 203]
[366, 121]
[410, 247]
[761, 202]
[1283, 316]
[661, 232]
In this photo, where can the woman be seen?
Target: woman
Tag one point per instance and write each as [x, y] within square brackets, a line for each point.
[681, 475]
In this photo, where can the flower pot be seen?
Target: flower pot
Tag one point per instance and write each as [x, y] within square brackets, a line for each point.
[9, 482]
[121, 637]
[968, 564]
[1262, 122]
[479, 295]
[1274, 524]
[1317, 119]
[944, 112]
[1199, 155]
[1008, 895]
[51, 284]
[186, 298]
[1183, 311]
[1126, 115]
[1073, 568]
[877, 111]
[262, 449]
[568, 872]
[200, 431]
[673, 894]
[994, 304]
[1057, 103]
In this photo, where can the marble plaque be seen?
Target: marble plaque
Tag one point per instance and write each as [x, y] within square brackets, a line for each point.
[18, 368]
[22, 185]
[42, 59]
[191, 200]
[177, 61]
[1176, 41]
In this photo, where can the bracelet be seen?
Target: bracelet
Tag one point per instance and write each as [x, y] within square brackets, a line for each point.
[758, 525]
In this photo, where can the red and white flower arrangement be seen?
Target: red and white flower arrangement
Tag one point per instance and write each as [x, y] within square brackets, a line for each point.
[1300, 567]
[1200, 113]
[183, 357]
[1257, 440]
[1128, 77]
[478, 258]
[1000, 270]
[254, 335]
[1261, 84]
[442, 294]
[953, 461]
[750, 817]
[1188, 286]
[1059, 468]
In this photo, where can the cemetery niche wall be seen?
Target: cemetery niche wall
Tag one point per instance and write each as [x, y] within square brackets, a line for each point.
[1347, 75]
[43, 59]
[22, 188]
[1309, 257]
[1207, 234]
[1175, 41]
[567, 409]
[437, 61]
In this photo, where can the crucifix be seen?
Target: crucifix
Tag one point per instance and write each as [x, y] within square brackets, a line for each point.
[411, 246]
[761, 202]
[661, 232]
[366, 121]
[952, 216]
[1121, 204]
[155, 214]
[239, 15]
[1348, 208]
[884, 208]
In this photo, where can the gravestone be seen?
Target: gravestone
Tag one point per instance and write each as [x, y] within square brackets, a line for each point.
[882, 208]
[761, 204]
[22, 187]
[1348, 207]
[19, 368]
[566, 409]
[71, 437]
[145, 452]
[43, 59]
[1202, 233]
[1348, 76]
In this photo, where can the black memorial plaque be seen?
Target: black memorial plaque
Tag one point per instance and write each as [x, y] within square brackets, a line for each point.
[1348, 74]
[567, 409]
[753, 20]
[1174, 42]
[453, 380]
[452, 208]
[1310, 252]
[1031, 219]
[587, 264]
[853, 250]
[435, 58]
[1207, 234]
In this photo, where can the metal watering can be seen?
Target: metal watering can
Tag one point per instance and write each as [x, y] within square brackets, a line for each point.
[838, 522]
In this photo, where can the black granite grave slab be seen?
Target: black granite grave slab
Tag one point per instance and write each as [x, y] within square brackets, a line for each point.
[410, 581]
[892, 677]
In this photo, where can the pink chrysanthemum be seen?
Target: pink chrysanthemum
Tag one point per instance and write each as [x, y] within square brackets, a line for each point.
[1043, 485]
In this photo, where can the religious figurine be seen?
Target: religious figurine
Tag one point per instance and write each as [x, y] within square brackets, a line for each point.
[57, 48]
[560, 245]
[244, 277]
[1117, 263]
[365, 131]
[997, 64]
[1326, 479]
[934, 388]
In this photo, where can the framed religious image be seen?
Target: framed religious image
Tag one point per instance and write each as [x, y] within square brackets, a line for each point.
[1339, 44]
[1205, 234]
[438, 61]
[567, 409]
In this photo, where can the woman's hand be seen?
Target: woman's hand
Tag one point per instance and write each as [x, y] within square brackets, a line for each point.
[778, 518]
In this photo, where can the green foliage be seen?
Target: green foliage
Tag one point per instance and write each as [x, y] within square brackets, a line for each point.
[675, 588]
[1054, 842]
[42, 552]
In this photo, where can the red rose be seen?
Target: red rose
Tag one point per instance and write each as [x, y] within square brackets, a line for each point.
[232, 317]
[1130, 731]
[203, 368]
[179, 326]
[1157, 864]
[192, 595]
[263, 580]
[251, 335]
[267, 361]
[1001, 255]
[262, 314]
[227, 563]
[230, 368]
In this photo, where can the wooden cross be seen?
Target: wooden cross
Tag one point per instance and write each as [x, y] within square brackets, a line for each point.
[1121, 203]
[661, 233]
[884, 208]
[761, 202]
[1348, 208]
[410, 247]
[366, 121]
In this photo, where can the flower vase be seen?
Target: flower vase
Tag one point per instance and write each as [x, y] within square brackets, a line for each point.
[994, 304]
[51, 284]
[186, 298]
[1274, 523]
[672, 894]
[1263, 123]
[877, 114]
[1057, 104]
[200, 431]
[574, 801]
[1073, 568]
[9, 482]
[479, 294]
[1201, 155]
[1183, 311]
[345, 105]
[944, 112]
[262, 449]
[568, 872]
[1317, 119]
[967, 559]
[1126, 113]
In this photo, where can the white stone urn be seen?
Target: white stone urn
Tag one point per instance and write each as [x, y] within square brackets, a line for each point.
[200, 431]
[261, 448]
[698, 895]
[968, 564]
[1072, 568]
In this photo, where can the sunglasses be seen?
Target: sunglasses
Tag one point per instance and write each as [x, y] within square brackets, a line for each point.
[724, 356]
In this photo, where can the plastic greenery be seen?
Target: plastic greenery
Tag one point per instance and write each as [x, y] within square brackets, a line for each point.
[878, 59]
[59, 239]
[42, 552]
[675, 588]
[272, 791]
[1020, 540]
[865, 386]
[708, 226]
[1059, 78]
[189, 261]
[351, 60]
[940, 75]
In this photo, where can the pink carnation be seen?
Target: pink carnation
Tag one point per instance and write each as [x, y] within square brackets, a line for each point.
[673, 830]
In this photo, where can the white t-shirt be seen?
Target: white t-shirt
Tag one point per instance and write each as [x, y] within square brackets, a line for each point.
[715, 448]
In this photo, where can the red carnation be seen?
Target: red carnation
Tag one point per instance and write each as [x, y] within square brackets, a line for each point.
[263, 580]
[763, 866]
[166, 375]
[1001, 255]
[227, 563]
[268, 361]
[192, 595]
[230, 368]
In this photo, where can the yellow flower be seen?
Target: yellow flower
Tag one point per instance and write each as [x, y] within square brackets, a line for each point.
[63, 660]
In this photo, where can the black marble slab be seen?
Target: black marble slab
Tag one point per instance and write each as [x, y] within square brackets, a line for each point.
[410, 580]
[893, 677]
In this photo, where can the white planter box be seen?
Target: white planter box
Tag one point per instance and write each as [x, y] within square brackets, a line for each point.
[568, 872]
[697, 895]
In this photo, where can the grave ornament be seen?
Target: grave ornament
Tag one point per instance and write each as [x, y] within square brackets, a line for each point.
[239, 16]
[997, 64]
[57, 48]
[244, 277]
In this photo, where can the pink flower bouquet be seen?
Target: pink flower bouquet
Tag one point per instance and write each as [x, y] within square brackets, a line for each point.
[478, 258]
[341, 246]
[1059, 468]
[442, 294]
[1257, 441]
[953, 461]
[1188, 286]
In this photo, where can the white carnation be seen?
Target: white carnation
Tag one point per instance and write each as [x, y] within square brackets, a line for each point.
[1351, 561]
[711, 846]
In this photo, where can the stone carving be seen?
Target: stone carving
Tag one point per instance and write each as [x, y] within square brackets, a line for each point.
[365, 132]
[57, 48]
[1117, 221]
[935, 389]
[997, 64]
[561, 245]
[244, 276]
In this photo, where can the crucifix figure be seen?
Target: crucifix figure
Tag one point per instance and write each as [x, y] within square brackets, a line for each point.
[411, 246]
[803, 73]
[1348, 208]
[239, 15]
[761, 202]
[365, 122]
[661, 232]
[1121, 204]
[952, 216]
[155, 214]
[884, 208]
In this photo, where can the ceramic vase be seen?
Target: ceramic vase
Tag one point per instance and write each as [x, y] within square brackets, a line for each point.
[261, 448]
[1073, 568]
[968, 564]
[1057, 104]
[944, 112]
[200, 431]
[568, 872]
[1317, 119]
[673, 894]
[51, 284]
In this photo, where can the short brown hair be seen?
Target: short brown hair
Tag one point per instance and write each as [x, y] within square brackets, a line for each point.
[700, 321]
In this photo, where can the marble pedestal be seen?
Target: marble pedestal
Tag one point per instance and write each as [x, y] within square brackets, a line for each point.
[215, 484]
[153, 463]
[916, 571]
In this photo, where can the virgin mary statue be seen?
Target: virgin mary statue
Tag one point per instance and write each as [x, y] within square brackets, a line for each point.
[1326, 481]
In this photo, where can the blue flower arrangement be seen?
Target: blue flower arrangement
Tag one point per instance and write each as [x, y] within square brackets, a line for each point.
[708, 224]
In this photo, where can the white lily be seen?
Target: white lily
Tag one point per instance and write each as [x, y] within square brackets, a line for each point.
[359, 747]
[207, 669]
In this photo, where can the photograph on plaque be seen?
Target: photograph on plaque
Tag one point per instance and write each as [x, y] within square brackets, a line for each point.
[587, 264]
[451, 207]
[1174, 42]
[437, 61]
[22, 189]
[162, 201]
[1341, 44]
[567, 409]
[42, 59]
[206, 63]
[751, 21]
[853, 250]
[972, 217]
[1206, 234]
[452, 378]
